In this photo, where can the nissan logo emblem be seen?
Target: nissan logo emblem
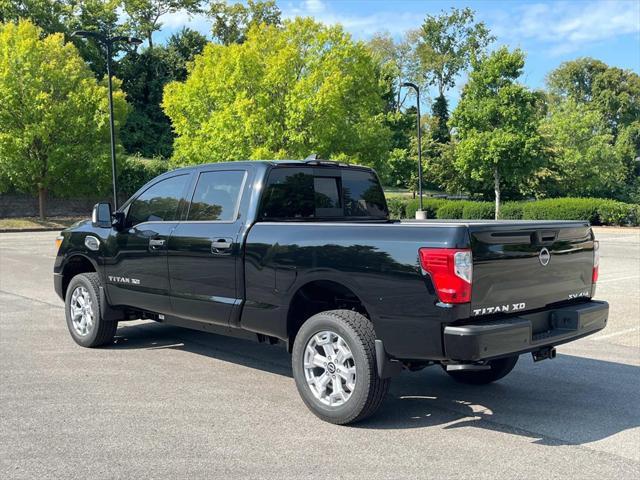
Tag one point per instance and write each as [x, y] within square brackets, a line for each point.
[544, 257]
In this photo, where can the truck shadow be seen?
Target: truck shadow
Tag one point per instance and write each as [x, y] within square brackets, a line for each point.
[568, 401]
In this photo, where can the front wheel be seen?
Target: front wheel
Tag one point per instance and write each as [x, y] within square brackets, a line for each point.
[498, 369]
[334, 366]
[82, 309]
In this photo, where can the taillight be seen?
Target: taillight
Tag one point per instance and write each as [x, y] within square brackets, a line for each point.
[451, 272]
[596, 261]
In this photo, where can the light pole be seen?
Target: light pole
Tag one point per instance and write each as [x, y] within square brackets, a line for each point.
[420, 214]
[108, 43]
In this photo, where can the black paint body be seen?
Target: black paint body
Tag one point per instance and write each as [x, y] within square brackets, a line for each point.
[251, 285]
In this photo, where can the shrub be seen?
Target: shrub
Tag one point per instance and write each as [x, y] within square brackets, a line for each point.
[397, 207]
[429, 205]
[598, 211]
[479, 211]
[136, 171]
[612, 212]
[452, 209]
[511, 211]
[561, 209]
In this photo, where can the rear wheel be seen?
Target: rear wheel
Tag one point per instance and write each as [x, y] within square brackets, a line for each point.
[82, 309]
[498, 369]
[334, 366]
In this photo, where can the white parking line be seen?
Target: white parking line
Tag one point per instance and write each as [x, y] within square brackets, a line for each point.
[616, 334]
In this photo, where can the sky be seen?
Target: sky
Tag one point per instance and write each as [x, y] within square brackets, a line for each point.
[550, 32]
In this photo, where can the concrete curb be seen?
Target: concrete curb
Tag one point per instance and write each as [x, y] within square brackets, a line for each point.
[34, 229]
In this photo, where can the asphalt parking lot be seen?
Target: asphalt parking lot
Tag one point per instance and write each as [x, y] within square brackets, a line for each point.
[163, 402]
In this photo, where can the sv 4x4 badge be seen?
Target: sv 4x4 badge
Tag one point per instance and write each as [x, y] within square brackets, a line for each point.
[511, 307]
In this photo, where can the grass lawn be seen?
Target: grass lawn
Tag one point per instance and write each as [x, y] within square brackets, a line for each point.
[19, 223]
[391, 192]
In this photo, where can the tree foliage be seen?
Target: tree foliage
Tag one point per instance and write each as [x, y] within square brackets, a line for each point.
[53, 115]
[145, 15]
[232, 22]
[614, 93]
[283, 93]
[594, 112]
[446, 44]
[66, 16]
[148, 130]
[496, 124]
[583, 161]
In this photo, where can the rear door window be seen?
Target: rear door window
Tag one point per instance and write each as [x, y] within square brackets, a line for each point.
[308, 193]
[363, 195]
[216, 196]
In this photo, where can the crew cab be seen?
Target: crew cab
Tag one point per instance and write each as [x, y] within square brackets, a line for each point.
[303, 254]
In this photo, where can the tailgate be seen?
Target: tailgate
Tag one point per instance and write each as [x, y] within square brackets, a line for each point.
[529, 265]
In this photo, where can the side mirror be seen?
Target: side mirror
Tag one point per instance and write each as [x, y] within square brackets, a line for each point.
[101, 216]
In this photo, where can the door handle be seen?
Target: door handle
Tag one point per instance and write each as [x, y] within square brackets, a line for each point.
[156, 244]
[220, 244]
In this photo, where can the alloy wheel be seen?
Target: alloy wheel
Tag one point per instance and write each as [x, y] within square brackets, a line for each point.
[329, 368]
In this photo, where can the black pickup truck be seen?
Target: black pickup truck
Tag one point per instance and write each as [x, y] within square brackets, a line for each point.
[303, 253]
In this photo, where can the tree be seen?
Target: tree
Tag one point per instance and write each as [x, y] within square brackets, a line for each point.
[613, 92]
[45, 14]
[440, 130]
[617, 97]
[94, 15]
[185, 45]
[283, 93]
[148, 130]
[66, 16]
[446, 43]
[145, 15]
[54, 128]
[496, 124]
[144, 75]
[232, 22]
[594, 108]
[393, 60]
[583, 160]
[574, 79]
[627, 149]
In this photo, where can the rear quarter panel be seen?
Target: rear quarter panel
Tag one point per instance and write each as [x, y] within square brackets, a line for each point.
[378, 262]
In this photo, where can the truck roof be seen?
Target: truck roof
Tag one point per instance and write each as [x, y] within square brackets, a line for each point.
[310, 162]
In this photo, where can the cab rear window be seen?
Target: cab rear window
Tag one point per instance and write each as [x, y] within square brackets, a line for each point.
[317, 193]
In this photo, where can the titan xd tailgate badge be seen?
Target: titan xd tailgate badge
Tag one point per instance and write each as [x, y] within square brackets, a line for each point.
[513, 307]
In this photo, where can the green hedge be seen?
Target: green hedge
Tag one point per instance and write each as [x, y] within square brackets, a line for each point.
[598, 211]
[479, 210]
[429, 205]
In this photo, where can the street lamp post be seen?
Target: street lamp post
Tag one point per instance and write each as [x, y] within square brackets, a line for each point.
[108, 43]
[420, 214]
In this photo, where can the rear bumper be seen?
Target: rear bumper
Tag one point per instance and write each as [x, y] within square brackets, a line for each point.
[499, 338]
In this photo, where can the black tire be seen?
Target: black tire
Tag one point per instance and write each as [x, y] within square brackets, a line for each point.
[102, 331]
[499, 369]
[369, 391]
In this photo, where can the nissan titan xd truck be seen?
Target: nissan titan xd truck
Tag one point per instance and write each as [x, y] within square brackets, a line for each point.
[303, 254]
